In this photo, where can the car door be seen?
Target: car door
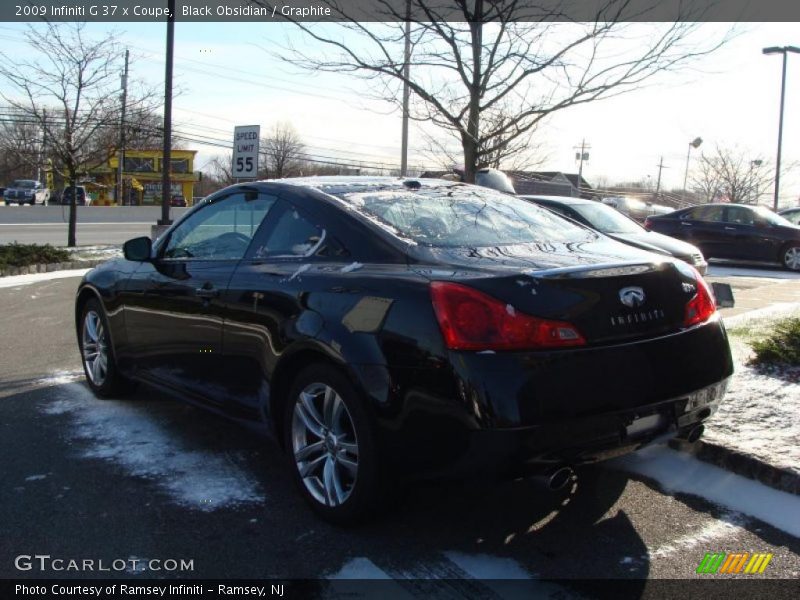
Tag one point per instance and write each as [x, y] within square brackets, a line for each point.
[703, 227]
[267, 296]
[742, 239]
[174, 307]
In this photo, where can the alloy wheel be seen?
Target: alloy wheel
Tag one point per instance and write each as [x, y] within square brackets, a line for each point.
[324, 444]
[95, 348]
[792, 258]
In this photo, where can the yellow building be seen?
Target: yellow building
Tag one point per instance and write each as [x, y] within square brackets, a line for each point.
[141, 176]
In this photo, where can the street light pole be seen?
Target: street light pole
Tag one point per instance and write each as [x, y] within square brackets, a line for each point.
[695, 143]
[780, 50]
[166, 160]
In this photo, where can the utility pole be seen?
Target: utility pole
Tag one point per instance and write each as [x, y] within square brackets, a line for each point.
[121, 152]
[47, 167]
[658, 182]
[582, 156]
[41, 156]
[406, 94]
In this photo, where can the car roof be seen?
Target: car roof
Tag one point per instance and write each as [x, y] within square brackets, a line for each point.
[569, 200]
[723, 204]
[361, 183]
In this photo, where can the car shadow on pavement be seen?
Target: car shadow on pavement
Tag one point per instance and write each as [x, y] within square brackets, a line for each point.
[150, 476]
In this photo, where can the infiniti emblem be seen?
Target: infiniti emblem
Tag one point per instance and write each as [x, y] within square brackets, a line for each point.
[632, 296]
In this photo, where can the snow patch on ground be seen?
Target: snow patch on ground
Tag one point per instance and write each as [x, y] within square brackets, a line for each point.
[59, 378]
[95, 252]
[14, 280]
[144, 446]
[725, 526]
[680, 472]
[721, 269]
[484, 566]
[488, 577]
[759, 415]
[360, 568]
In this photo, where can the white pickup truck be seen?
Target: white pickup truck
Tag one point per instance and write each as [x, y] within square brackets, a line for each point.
[26, 191]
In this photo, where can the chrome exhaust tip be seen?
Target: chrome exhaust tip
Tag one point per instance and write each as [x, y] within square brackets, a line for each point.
[560, 478]
[694, 434]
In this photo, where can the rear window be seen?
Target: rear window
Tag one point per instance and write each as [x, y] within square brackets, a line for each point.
[461, 215]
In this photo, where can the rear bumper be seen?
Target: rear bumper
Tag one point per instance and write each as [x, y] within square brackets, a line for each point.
[586, 439]
[500, 411]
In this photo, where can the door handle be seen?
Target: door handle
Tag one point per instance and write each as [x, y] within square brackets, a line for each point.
[206, 292]
[730, 229]
[683, 223]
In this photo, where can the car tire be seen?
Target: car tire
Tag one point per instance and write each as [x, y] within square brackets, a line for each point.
[97, 353]
[330, 445]
[790, 257]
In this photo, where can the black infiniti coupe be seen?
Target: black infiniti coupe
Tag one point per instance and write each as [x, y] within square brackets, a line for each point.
[379, 327]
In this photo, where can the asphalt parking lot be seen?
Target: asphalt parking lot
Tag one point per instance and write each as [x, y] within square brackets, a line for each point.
[150, 478]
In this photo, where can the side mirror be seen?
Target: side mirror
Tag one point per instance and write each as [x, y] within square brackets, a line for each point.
[138, 249]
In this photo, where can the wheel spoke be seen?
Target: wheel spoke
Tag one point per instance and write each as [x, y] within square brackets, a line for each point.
[308, 451]
[309, 418]
[309, 467]
[350, 447]
[333, 487]
[348, 464]
[337, 409]
[96, 372]
[328, 405]
[91, 326]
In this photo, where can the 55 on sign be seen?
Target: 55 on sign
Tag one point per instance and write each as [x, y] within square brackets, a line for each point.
[245, 151]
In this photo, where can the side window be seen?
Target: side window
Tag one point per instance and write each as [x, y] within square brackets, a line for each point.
[558, 210]
[222, 230]
[293, 234]
[705, 213]
[739, 215]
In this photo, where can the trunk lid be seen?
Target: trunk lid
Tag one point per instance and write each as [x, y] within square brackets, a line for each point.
[609, 294]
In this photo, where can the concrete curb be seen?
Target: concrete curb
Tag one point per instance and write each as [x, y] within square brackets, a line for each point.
[50, 267]
[741, 464]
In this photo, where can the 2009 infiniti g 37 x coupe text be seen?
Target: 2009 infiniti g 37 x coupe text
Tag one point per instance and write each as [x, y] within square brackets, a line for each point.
[380, 327]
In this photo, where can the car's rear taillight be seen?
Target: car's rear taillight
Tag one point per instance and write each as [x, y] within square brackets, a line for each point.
[702, 306]
[472, 320]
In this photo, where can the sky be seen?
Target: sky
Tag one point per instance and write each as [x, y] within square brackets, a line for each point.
[227, 74]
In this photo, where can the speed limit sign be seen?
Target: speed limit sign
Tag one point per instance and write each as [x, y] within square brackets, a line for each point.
[245, 151]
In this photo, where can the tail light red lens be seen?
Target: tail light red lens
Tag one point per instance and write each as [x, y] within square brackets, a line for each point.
[472, 320]
[702, 306]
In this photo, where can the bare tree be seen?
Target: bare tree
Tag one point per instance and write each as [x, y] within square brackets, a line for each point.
[733, 175]
[507, 152]
[282, 151]
[20, 146]
[69, 88]
[220, 168]
[476, 61]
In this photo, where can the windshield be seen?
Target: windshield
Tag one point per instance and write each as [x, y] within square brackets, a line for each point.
[461, 215]
[606, 220]
[771, 218]
[23, 183]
